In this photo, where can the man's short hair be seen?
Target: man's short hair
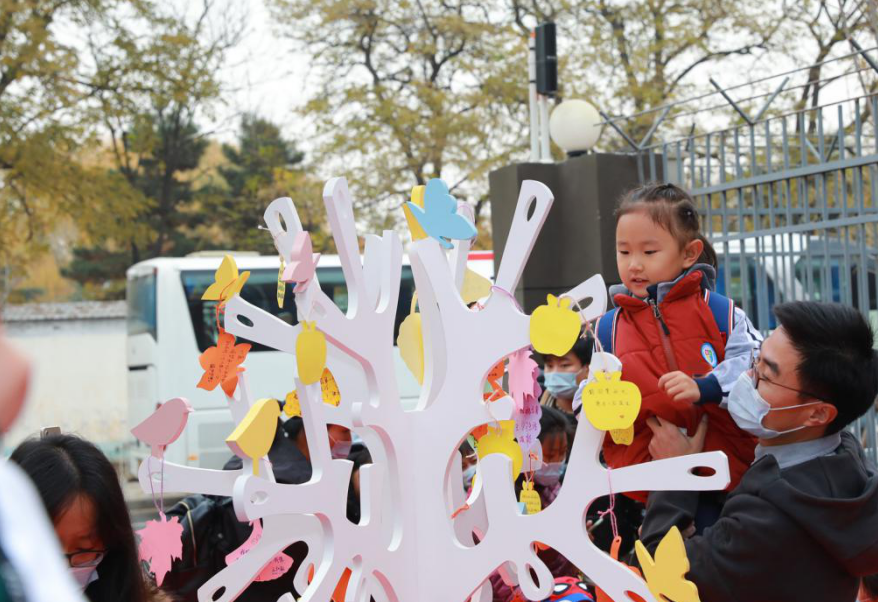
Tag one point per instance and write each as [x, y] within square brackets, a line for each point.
[582, 348]
[837, 360]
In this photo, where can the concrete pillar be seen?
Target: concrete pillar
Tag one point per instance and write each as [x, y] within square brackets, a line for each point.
[578, 238]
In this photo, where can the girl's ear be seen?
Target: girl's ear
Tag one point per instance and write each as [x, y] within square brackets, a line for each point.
[691, 252]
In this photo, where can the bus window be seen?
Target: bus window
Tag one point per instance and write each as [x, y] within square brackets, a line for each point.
[141, 297]
[261, 291]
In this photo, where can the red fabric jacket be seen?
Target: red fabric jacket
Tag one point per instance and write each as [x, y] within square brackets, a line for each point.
[640, 346]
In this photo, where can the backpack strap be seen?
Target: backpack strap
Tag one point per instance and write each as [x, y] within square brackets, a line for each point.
[605, 330]
[723, 310]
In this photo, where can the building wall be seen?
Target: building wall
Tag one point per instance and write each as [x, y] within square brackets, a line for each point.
[78, 380]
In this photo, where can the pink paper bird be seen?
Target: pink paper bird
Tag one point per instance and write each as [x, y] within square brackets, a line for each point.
[164, 426]
[302, 264]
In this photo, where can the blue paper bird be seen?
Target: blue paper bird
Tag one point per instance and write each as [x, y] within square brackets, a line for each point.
[439, 217]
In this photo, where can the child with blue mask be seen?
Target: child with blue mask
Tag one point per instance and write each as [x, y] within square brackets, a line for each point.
[562, 374]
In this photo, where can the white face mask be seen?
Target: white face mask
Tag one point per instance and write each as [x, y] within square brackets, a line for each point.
[468, 475]
[549, 474]
[749, 409]
[84, 575]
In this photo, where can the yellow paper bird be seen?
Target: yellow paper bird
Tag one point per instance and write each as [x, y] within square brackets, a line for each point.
[666, 575]
[254, 436]
[227, 282]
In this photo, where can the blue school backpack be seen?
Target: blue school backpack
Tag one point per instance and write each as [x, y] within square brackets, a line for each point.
[722, 308]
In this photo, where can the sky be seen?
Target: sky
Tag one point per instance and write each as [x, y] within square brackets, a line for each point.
[262, 74]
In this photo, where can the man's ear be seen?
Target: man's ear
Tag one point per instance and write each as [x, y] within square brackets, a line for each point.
[691, 252]
[822, 415]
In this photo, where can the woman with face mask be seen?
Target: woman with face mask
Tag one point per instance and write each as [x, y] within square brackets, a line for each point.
[81, 493]
[562, 374]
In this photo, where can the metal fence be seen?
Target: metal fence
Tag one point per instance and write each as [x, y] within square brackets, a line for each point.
[790, 204]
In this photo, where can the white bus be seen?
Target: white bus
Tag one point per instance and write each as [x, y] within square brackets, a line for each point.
[169, 326]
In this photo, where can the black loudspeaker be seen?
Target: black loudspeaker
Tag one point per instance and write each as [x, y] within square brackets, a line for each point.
[547, 60]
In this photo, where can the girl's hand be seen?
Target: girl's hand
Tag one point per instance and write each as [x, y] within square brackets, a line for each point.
[680, 387]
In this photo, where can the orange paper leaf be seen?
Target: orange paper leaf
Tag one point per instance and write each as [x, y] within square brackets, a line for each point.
[221, 361]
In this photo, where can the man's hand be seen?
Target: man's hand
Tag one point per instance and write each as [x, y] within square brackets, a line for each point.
[668, 442]
[680, 387]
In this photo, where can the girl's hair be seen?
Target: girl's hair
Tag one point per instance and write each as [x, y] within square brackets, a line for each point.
[64, 467]
[553, 422]
[672, 208]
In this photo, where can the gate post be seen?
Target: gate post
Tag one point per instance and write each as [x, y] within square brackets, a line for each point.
[578, 238]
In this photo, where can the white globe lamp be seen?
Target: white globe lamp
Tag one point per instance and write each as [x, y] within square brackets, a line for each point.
[575, 126]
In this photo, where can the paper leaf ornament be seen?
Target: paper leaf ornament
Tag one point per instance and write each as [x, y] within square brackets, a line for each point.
[530, 498]
[227, 282]
[523, 372]
[281, 285]
[328, 389]
[220, 362]
[292, 406]
[161, 541]
[527, 423]
[417, 198]
[310, 353]
[666, 574]
[600, 594]
[439, 217]
[502, 442]
[276, 567]
[164, 426]
[610, 402]
[411, 343]
[495, 375]
[302, 264]
[554, 327]
[623, 436]
[475, 287]
[254, 435]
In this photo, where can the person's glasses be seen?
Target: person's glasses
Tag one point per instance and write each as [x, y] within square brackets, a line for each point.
[85, 558]
[757, 378]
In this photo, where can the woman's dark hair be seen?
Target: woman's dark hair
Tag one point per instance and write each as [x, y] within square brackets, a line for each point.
[672, 208]
[553, 422]
[837, 362]
[64, 467]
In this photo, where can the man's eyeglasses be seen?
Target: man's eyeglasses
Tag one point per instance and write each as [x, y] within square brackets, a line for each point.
[757, 378]
[85, 558]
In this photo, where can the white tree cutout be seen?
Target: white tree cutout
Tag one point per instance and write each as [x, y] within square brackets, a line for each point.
[407, 547]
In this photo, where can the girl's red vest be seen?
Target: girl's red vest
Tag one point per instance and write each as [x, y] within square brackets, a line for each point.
[639, 345]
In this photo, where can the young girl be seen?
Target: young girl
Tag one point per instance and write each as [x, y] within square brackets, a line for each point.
[682, 345]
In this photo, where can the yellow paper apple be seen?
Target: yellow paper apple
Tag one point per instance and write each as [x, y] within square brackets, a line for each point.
[611, 403]
[310, 353]
[554, 327]
[411, 343]
[502, 441]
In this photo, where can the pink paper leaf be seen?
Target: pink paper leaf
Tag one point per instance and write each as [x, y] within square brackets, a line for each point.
[523, 373]
[161, 541]
[275, 567]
